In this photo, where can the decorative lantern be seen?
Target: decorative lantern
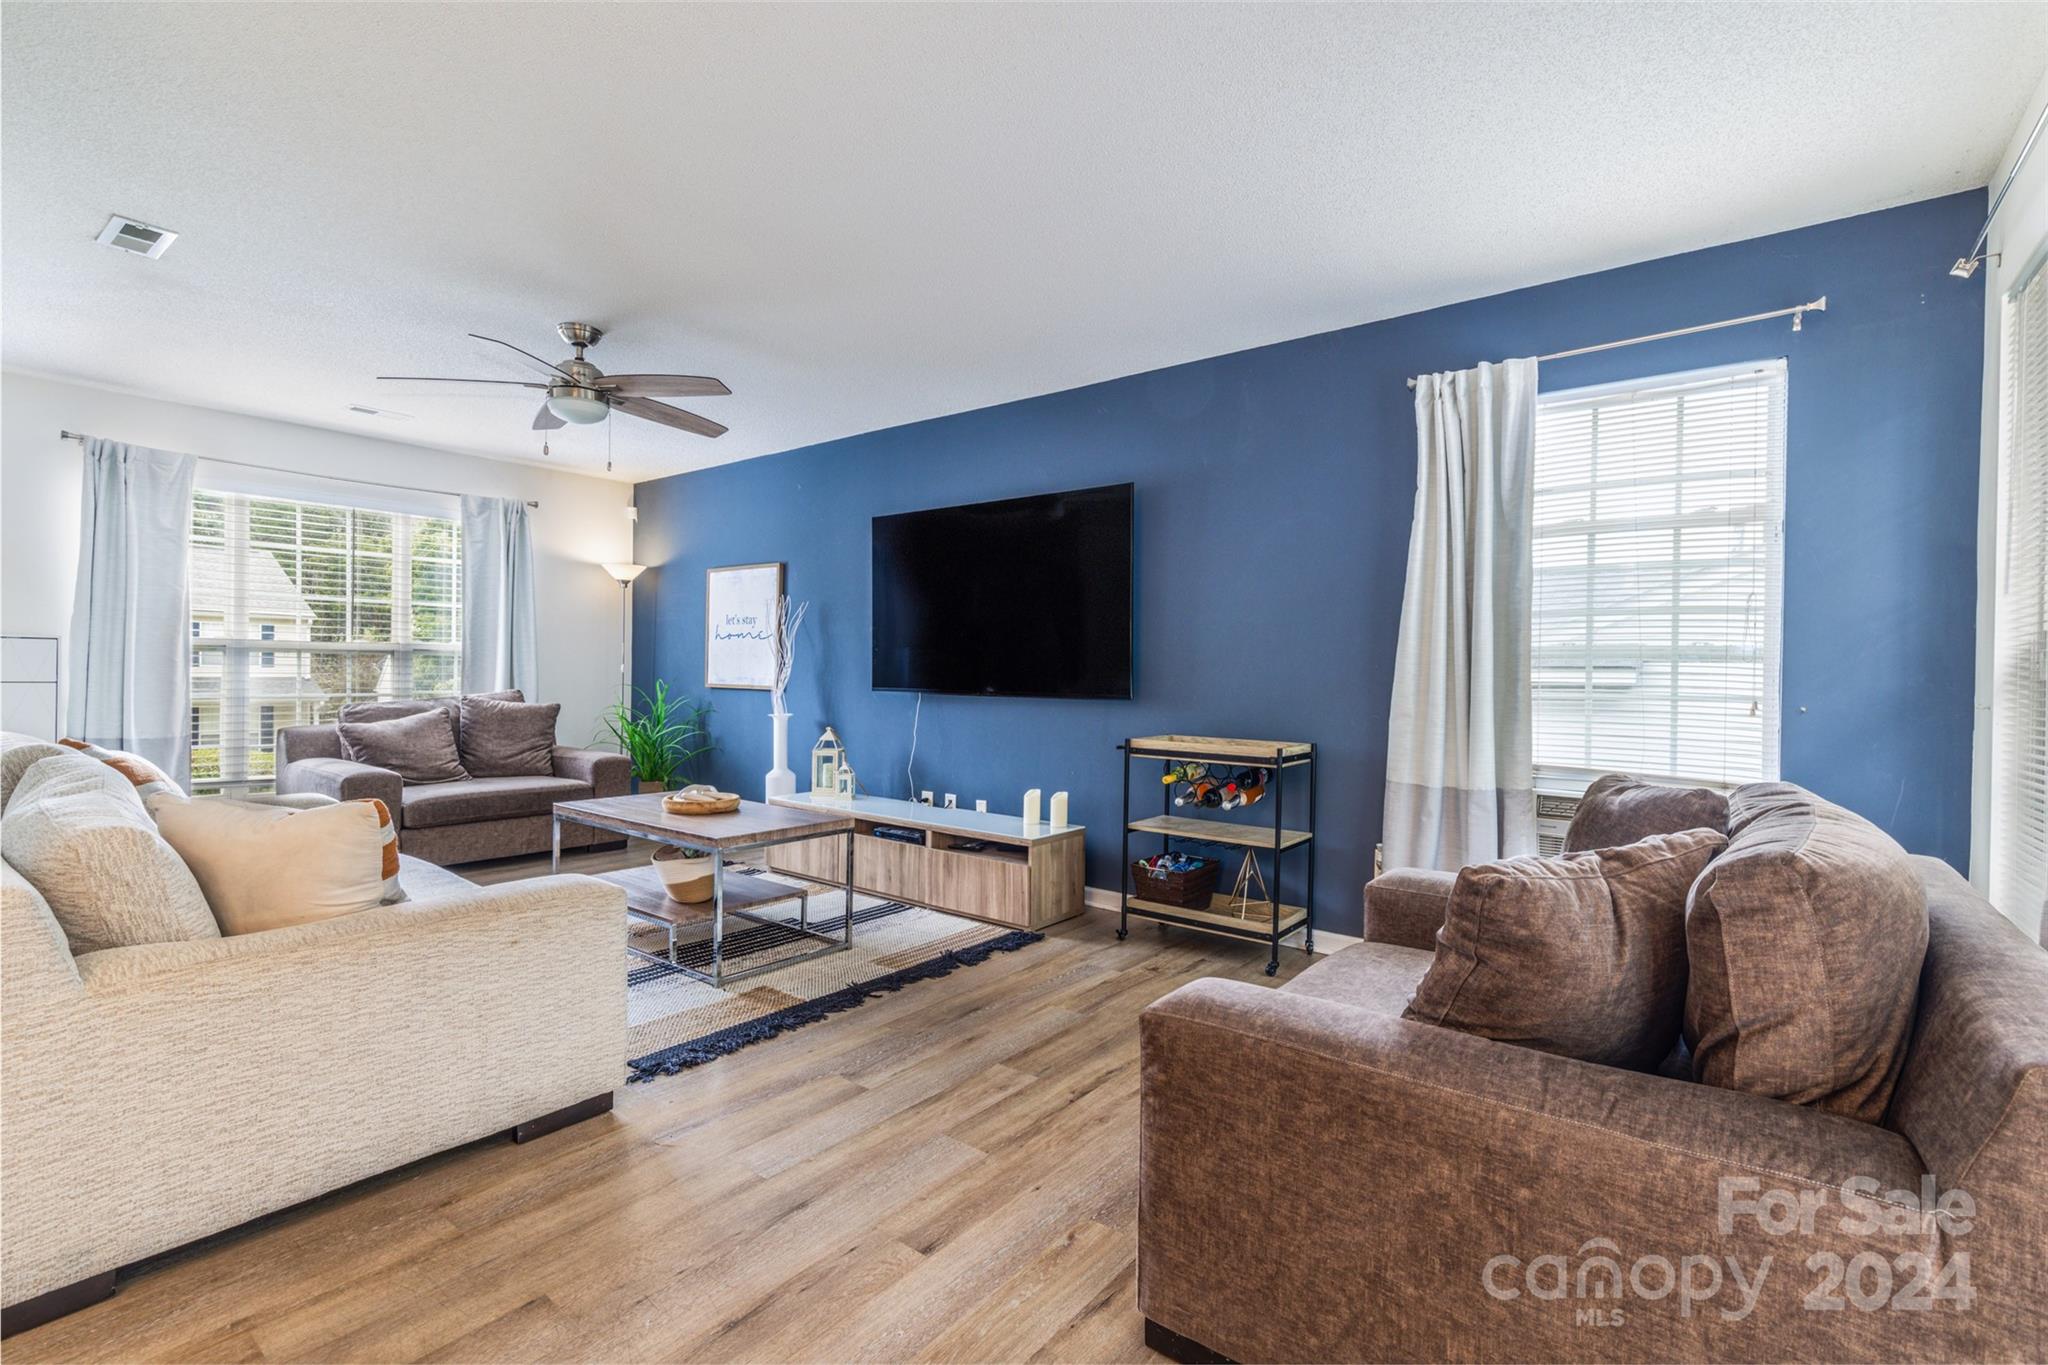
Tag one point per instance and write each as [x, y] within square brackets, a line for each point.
[848, 788]
[828, 756]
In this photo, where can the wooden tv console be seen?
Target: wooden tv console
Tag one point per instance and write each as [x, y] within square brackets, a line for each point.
[1024, 877]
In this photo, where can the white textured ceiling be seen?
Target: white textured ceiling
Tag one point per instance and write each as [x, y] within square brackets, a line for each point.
[860, 216]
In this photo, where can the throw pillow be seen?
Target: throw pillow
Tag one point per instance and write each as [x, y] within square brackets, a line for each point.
[508, 738]
[1805, 941]
[1618, 809]
[267, 867]
[419, 747]
[75, 831]
[148, 779]
[1581, 955]
[412, 706]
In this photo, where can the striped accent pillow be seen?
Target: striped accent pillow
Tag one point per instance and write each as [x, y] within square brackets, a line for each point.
[149, 780]
[389, 828]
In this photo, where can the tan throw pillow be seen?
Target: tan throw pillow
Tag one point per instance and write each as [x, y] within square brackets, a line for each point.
[266, 867]
[508, 738]
[1582, 955]
[1618, 809]
[419, 747]
[148, 779]
[76, 832]
[1805, 940]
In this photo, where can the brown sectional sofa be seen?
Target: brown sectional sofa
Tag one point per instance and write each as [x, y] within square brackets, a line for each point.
[455, 822]
[1324, 1180]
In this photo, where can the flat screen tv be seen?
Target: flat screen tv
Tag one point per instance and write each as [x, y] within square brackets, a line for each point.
[1027, 597]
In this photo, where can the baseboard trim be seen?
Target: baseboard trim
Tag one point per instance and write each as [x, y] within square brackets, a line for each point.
[1327, 940]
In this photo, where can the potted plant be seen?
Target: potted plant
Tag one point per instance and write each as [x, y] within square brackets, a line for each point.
[663, 736]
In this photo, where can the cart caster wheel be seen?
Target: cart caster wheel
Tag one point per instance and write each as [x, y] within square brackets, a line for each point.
[1272, 969]
[1123, 933]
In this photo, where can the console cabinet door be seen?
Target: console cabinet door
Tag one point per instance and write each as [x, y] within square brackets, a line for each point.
[823, 859]
[981, 885]
[884, 867]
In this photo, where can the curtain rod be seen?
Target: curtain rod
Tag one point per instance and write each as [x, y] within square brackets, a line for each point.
[1797, 313]
[331, 478]
[1966, 266]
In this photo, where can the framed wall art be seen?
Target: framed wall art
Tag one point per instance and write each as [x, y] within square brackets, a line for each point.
[739, 625]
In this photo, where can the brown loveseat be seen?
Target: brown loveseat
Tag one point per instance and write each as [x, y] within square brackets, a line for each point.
[460, 821]
[1325, 1180]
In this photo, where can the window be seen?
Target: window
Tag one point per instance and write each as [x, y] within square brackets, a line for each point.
[300, 608]
[2018, 815]
[1658, 546]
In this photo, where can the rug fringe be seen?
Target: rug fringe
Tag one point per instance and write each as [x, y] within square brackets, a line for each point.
[725, 1042]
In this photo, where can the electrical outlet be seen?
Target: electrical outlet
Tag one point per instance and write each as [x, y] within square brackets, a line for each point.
[924, 798]
[952, 801]
[980, 806]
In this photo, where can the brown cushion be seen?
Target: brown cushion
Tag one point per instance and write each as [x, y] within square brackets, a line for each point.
[507, 738]
[419, 747]
[1618, 809]
[1805, 940]
[1582, 955]
[488, 798]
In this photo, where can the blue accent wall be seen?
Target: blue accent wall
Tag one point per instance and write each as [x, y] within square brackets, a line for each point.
[1274, 492]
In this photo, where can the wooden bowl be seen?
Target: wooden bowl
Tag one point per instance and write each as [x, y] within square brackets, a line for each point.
[719, 803]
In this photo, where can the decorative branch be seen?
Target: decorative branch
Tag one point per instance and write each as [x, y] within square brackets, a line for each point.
[789, 619]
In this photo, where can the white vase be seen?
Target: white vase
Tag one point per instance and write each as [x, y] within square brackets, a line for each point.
[781, 781]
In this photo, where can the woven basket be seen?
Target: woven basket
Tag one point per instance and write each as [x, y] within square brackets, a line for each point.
[1191, 890]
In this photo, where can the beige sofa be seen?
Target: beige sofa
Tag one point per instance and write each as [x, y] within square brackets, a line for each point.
[154, 1094]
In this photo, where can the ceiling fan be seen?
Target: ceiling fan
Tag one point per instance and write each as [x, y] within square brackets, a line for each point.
[579, 392]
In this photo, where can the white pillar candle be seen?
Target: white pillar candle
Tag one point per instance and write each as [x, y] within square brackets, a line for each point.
[1059, 808]
[1031, 806]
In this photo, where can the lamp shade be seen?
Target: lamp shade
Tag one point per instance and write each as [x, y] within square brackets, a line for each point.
[625, 573]
[572, 407]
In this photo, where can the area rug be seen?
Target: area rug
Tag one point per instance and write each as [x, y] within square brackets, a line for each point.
[674, 1021]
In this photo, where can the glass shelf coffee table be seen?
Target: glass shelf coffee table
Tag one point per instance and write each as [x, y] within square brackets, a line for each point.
[734, 892]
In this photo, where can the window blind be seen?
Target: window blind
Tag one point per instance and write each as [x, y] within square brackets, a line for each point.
[1657, 557]
[298, 609]
[2018, 850]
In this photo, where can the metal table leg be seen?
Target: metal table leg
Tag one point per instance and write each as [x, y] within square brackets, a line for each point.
[717, 918]
[847, 922]
[555, 858]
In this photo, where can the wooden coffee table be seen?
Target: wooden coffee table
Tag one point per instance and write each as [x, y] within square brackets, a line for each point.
[750, 828]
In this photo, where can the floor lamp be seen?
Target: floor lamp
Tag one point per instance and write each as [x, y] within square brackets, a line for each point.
[623, 575]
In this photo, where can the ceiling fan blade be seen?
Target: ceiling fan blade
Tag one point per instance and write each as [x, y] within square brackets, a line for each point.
[663, 385]
[545, 419]
[444, 379]
[546, 367]
[668, 416]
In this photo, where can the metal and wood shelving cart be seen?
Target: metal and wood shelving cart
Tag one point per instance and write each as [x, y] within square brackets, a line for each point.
[1264, 921]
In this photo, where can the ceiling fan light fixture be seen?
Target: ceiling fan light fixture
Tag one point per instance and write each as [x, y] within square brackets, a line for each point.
[577, 405]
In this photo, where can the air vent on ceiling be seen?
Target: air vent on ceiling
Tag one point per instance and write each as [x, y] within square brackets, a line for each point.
[126, 234]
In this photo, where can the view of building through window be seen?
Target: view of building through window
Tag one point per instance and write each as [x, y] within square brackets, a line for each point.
[1657, 549]
[300, 608]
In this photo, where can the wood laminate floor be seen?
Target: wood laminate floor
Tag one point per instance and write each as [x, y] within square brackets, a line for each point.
[948, 1173]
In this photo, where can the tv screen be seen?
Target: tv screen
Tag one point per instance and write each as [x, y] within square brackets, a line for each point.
[1027, 597]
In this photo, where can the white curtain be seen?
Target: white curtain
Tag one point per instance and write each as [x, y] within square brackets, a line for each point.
[1459, 780]
[131, 676]
[499, 649]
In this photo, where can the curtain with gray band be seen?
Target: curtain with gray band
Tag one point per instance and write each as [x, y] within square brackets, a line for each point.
[131, 674]
[499, 644]
[1459, 779]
